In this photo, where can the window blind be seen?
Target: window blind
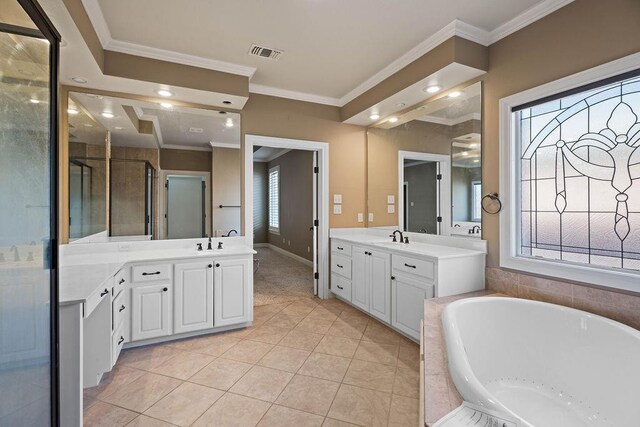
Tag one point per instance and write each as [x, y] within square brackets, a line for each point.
[274, 199]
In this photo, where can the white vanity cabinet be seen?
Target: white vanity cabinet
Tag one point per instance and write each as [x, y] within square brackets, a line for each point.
[193, 296]
[390, 281]
[151, 310]
[233, 299]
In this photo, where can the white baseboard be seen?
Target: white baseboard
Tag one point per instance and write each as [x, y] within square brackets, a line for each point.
[285, 253]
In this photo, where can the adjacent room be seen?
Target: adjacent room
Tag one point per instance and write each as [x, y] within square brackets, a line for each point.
[319, 213]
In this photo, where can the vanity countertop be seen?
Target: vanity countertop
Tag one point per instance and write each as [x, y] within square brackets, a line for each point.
[82, 275]
[412, 248]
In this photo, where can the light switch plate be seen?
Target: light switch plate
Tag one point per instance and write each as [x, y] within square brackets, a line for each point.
[360, 217]
[370, 216]
[337, 198]
[391, 209]
[391, 199]
[337, 209]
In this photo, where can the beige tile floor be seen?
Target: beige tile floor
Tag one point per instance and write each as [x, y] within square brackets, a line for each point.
[303, 363]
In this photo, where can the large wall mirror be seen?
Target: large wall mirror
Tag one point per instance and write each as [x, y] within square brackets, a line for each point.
[144, 171]
[424, 166]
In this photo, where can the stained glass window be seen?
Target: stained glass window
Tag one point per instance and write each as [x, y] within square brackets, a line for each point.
[580, 175]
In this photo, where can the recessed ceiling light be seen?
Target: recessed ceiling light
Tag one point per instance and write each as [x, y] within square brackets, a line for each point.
[107, 114]
[164, 92]
[79, 80]
[166, 105]
[476, 161]
[473, 145]
[454, 94]
[34, 101]
[118, 128]
[88, 125]
[226, 102]
[72, 111]
[374, 116]
[392, 119]
[464, 153]
[431, 89]
[229, 123]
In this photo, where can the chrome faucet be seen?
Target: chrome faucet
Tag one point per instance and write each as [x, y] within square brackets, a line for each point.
[16, 254]
[232, 231]
[394, 236]
[209, 247]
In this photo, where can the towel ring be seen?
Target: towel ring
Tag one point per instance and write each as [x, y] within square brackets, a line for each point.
[494, 197]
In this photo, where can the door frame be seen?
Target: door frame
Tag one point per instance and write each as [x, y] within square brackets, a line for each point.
[162, 200]
[444, 189]
[322, 148]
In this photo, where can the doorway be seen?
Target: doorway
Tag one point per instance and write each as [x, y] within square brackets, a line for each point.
[186, 205]
[318, 226]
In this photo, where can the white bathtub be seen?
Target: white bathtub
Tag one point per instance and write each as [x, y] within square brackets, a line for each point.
[544, 364]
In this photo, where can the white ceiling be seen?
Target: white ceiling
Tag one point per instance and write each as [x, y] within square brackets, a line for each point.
[177, 127]
[333, 49]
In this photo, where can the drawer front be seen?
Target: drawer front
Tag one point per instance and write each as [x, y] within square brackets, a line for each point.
[96, 297]
[120, 309]
[422, 268]
[341, 265]
[340, 247]
[151, 272]
[118, 339]
[121, 280]
[341, 287]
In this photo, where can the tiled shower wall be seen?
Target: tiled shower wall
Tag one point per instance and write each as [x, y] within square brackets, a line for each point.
[623, 308]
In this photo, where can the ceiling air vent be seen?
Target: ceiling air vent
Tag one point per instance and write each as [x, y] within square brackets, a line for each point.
[265, 52]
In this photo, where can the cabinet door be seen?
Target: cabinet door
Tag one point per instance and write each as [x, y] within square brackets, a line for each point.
[151, 315]
[359, 278]
[380, 284]
[408, 303]
[193, 296]
[232, 298]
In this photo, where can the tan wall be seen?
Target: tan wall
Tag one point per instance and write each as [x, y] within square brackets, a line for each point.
[279, 117]
[185, 160]
[296, 203]
[260, 202]
[226, 190]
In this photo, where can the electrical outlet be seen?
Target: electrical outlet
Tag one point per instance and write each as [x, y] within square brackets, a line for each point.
[391, 209]
[289, 242]
[337, 209]
[337, 198]
[308, 249]
[391, 199]
[360, 217]
[370, 216]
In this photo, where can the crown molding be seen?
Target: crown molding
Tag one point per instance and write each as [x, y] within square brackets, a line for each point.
[97, 20]
[185, 147]
[213, 144]
[450, 122]
[527, 17]
[291, 94]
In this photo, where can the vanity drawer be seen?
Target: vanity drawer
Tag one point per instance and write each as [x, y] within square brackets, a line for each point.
[340, 247]
[96, 297]
[341, 265]
[120, 309]
[121, 279]
[419, 267]
[118, 339]
[341, 287]
[151, 272]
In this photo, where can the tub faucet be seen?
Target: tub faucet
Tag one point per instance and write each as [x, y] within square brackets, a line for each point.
[16, 254]
[394, 236]
[232, 231]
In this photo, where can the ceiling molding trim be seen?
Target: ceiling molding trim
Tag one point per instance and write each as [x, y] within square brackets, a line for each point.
[179, 58]
[291, 94]
[213, 144]
[454, 28]
[450, 122]
[97, 20]
[527, 17]
[185, 147]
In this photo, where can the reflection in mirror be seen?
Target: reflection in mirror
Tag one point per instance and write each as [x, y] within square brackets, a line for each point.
[173, 171]
[424, 166]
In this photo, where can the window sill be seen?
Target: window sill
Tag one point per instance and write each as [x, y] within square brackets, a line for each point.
[276, 232]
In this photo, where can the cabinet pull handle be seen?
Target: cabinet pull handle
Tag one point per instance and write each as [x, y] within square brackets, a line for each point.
[340, 287]
[339, 266]
[409, 265]
[217, 265]
[393, 277]
[121, 340]
[165, 289]
[121, 282]
[150, 274]
[210, 266]
[122, 307]
[340, 249]
[103, 293]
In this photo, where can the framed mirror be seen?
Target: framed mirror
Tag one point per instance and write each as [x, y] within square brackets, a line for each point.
[168, 171]
[424, 166]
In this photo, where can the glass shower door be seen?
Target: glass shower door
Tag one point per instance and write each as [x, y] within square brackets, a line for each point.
[28, 285]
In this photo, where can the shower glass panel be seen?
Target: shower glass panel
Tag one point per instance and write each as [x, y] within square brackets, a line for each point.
[132, 201]
[28, 277]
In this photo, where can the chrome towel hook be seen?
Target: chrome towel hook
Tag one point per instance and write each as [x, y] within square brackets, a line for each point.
[493, 197]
